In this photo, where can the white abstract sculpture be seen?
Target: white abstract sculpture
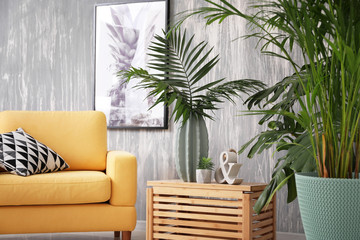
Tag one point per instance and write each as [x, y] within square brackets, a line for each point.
[229, 168]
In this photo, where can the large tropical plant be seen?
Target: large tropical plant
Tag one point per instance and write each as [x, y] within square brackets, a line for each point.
[313, 114]
[179, 66]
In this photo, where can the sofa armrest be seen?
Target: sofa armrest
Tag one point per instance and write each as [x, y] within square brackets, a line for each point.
[121, 167]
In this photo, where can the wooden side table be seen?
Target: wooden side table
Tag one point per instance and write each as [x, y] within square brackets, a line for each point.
[185, 211]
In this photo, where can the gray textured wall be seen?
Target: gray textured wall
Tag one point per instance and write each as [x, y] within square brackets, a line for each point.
[46, 63]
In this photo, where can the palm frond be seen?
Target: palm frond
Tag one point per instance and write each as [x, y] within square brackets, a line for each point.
[178, 70]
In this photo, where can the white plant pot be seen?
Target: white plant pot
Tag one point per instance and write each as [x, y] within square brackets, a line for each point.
[203, 176]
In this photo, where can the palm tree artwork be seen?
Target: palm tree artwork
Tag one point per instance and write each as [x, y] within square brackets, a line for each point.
[123, 46]
[128, 30]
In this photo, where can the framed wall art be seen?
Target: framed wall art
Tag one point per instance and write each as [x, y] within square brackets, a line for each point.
[123, 32]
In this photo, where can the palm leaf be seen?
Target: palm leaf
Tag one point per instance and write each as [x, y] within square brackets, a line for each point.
[179, 70]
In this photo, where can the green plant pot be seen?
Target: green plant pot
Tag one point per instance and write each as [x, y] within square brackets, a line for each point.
[192, 143]
[329, 207]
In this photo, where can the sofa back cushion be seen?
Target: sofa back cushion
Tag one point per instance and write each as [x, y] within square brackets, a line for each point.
[79, 137]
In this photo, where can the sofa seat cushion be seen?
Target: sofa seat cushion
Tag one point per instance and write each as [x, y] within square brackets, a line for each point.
[66, 187]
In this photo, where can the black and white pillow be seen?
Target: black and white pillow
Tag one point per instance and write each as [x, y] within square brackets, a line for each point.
[23, 155]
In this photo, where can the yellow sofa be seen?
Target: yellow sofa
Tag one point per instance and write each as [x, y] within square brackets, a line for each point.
[97, 192]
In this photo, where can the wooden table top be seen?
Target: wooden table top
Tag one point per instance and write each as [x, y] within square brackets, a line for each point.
[177, 183]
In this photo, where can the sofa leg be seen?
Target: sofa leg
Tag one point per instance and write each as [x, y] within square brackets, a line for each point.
[125, 235]
[117, 234]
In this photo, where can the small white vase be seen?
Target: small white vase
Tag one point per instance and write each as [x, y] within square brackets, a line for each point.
[203, 175]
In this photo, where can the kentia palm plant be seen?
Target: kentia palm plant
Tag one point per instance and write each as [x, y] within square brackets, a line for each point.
[313, 114]
[180, 66]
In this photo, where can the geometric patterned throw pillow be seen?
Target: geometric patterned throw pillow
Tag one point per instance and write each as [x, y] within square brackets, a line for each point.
[23, 155]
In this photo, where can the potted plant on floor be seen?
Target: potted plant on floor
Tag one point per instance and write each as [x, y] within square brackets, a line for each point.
[204, 170]
[314, 113]
[180, 67]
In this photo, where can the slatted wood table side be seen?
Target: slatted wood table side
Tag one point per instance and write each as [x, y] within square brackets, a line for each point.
[190, 211]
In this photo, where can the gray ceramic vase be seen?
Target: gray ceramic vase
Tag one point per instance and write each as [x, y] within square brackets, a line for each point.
[192, 143]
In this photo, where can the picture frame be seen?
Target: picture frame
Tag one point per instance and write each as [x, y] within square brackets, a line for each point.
[123, 33]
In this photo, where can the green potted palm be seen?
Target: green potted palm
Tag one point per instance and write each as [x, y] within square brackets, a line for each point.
[204, 170]
[312, 115]
[179, 67]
